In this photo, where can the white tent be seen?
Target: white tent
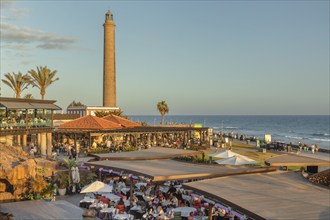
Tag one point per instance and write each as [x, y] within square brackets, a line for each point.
[224, 154]
[97, 186]
[236, 160]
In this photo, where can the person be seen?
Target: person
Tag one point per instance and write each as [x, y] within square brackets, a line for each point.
[191, 216]
[175, 201]
[73, 153]
[316, 148]
[300, 146]
[108, 143]
[313, 148]
[121, 206]
[33, 151]
[172, 189]
[111, 182]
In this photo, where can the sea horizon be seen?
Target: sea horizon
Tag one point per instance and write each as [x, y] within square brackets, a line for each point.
[308, 129]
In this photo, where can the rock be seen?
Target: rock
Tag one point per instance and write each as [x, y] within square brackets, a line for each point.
[6, 196]
[16, 168]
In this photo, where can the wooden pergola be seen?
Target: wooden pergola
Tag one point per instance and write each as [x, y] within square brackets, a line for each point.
[148, 135]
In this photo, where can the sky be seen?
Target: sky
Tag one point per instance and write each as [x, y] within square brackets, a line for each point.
[201, 57]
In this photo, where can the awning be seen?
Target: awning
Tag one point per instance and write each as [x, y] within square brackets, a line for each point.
[49, 106]
[28, 105]
[16, 105]
[165, 170]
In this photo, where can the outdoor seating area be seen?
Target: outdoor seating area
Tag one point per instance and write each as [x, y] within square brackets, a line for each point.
[142, 200]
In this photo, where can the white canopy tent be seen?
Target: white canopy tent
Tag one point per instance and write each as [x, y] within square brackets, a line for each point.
[97, 186]
[236, 160]
[224, 154]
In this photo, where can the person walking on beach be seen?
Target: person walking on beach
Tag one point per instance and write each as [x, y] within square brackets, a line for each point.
[313, 148]
[316, 148]
[305, 148]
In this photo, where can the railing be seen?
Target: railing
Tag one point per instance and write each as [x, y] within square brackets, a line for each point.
[23, 125]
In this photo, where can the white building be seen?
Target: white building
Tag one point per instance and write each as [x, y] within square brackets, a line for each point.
[89, 110]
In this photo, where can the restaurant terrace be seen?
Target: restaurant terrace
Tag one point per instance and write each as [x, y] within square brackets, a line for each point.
[123, 132]
[27, 121]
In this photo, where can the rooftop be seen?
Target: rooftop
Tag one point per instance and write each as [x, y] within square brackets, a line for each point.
[89, 122]
[295, 160]
[164, 170]
[121, 121]
[18, 103]
[148, 154]
[273, 195]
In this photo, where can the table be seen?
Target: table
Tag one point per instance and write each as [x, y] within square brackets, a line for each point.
[122, 216]
[125, 190]
[111, 196]
[86, 202]
[185, 211]
[106, 213]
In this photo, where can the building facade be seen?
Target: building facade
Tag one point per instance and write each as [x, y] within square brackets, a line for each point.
[27, 122]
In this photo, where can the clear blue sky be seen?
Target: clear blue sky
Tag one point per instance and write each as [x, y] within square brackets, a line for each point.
[215, 57]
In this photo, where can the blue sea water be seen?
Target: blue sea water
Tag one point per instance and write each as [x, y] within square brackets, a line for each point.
[308, 129]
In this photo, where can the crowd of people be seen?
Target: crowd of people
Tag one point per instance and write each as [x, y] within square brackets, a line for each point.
[152, 202]
[21, 121]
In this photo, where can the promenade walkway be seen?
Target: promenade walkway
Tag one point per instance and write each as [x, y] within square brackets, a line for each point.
[40, 209]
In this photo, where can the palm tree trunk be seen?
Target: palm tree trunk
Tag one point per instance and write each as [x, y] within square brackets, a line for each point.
[163, 116]
[42, 93]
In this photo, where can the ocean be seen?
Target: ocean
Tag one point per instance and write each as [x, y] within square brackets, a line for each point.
[309, 129]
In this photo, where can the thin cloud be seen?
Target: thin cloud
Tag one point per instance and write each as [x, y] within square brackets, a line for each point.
[50, 46]
[27, 62]
[46, 40]
[23, 55]
[12, 12]
[15, 47]
[6, 3]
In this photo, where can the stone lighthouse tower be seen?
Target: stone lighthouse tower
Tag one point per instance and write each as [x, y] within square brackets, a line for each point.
[109, 63]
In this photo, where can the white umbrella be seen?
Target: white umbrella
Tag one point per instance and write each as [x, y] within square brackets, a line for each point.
[236, 160]
[73, 174]
[224, 154]
[77, 175]
[97, 186]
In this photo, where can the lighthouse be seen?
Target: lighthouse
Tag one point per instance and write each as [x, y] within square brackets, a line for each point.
[109, 62]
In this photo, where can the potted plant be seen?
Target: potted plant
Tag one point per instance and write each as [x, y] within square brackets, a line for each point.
[62, 182]
[38, 184]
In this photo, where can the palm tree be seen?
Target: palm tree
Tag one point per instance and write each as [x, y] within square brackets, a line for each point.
[29, 96]
[163, 109]
[69, 163]
[42, 78]
[17, 82]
